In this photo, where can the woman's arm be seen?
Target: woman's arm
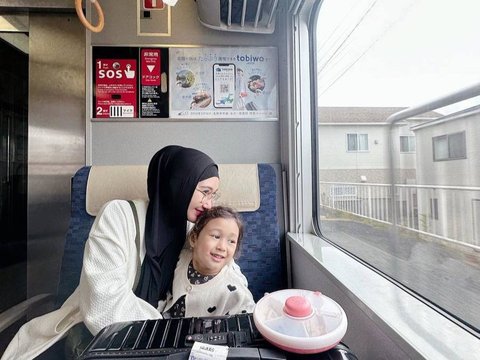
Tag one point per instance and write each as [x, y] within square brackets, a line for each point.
[109, 266]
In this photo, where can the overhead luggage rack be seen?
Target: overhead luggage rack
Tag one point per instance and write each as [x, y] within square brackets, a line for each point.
[250, 16]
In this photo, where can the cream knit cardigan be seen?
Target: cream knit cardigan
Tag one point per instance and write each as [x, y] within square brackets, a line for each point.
[105, 294]
[226, 293]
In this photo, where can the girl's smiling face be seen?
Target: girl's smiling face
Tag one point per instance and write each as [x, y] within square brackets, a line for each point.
[215, 246]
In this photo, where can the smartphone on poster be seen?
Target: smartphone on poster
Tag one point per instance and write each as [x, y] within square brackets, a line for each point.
[223, 85]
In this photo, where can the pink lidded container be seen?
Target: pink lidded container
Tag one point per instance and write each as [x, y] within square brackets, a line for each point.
[300, 321]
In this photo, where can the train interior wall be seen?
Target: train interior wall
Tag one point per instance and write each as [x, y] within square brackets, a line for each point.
[63, 137]
[226, 141]
[367, 336]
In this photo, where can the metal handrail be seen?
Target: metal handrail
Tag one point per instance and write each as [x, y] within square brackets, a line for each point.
[101, 19]
[443, 101]
[464, 94]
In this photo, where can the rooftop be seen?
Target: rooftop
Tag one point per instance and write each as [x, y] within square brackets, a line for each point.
[364, 114]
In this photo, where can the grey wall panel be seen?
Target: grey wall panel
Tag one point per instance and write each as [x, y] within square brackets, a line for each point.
[56, 139]
[135, 142]
[121, 27]
[230, 142]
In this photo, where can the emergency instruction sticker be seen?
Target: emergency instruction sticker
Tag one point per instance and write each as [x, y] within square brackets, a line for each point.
[151, 81]
[203, 351]
[116, 88]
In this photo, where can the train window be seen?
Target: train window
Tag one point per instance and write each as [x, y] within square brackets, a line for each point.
[404, 196]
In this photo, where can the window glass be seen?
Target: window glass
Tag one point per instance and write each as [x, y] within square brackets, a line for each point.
[449, 147]
[456, 146]
[440, 147]
[413, 215]
[434, 209]
[363, 142]
[352, 142]
[407, 144]
[357, 142]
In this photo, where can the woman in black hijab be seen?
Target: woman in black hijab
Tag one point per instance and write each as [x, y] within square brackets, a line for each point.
[181, 184]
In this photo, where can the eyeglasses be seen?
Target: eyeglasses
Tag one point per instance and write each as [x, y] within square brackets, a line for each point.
[207, 195]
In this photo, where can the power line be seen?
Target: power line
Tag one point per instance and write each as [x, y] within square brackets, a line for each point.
[348, 36]
[368, 48]
[341, 22]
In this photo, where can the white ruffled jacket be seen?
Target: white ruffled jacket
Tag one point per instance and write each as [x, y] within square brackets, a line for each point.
[105, 294]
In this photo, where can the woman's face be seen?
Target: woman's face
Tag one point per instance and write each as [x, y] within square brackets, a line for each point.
[202, 198]
[215, 245]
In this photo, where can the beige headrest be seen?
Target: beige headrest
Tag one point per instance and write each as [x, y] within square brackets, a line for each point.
[239, 185]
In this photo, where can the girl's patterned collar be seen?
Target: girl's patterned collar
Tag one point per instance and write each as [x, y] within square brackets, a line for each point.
[195, 277]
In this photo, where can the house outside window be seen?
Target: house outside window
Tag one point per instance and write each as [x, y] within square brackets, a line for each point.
[449, 147]
[357, 142]
[407, 144]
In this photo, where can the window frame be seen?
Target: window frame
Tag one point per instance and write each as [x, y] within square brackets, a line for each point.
[409, 142]
[360, 285]
[449, 156]
[357, 136]
[391, 121]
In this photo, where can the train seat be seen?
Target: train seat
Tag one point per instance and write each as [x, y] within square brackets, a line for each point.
[255, 190]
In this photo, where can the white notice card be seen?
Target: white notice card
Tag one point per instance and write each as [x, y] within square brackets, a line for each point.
[203, 351]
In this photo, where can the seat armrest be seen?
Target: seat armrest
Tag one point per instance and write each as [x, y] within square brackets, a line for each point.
[16, 312]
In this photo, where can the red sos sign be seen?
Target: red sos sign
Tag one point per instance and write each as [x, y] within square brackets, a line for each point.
[116, 88]
[153, 4]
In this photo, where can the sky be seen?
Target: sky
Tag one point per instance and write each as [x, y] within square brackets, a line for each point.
[397, 53]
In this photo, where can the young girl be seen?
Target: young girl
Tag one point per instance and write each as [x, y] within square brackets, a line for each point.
[207, 282]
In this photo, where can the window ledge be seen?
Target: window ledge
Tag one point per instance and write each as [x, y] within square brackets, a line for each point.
[428, 332]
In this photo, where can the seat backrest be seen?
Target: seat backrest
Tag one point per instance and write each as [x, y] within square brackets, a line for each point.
[261, 260]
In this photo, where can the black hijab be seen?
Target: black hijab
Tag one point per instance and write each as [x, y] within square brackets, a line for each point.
[173, 175]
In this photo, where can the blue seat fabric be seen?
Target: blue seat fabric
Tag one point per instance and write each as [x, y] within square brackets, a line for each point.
[77, 235]
[260, 257]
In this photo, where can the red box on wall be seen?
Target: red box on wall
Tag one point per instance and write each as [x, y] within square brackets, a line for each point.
[153, 4]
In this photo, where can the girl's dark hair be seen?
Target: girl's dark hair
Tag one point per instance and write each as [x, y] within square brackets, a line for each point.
[216, 212]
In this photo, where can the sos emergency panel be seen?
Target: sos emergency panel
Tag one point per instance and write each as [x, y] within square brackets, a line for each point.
[129, 82]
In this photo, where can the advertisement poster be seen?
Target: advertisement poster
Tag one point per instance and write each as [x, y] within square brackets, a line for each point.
[224, 82]
[115, 88]
[151, 82]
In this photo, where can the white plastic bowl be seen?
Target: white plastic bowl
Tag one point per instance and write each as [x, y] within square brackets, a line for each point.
[300, 321]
